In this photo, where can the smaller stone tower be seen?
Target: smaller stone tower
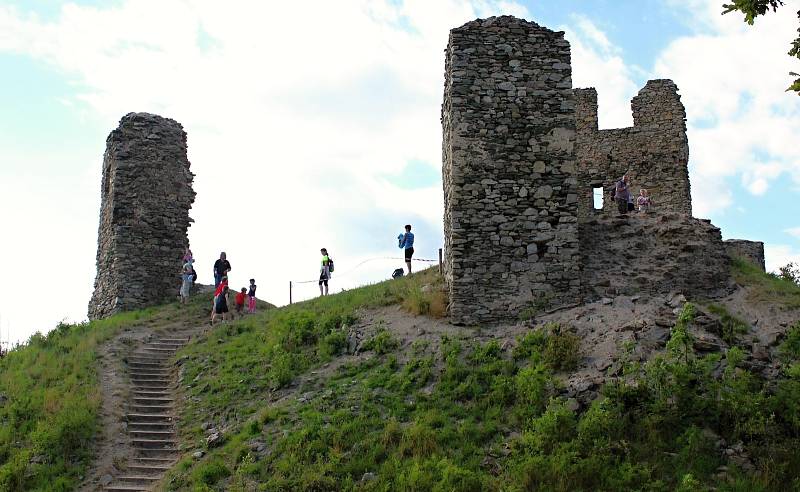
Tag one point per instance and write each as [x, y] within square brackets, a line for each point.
[144, 215]
[655, 150]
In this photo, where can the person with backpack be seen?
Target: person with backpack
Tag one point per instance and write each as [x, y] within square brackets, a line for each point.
[406, 243]
[187, 276]
[325, 272]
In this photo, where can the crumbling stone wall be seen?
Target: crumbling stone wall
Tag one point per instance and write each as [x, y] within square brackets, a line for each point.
[657, 253]
[144, 215]
[752, 251]
[510, 188]
[655, 150]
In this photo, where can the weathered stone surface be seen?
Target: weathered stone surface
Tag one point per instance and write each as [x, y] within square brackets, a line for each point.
[144, 215]
[658, 253]
[654, 151]
[752, 251]
[508, 124]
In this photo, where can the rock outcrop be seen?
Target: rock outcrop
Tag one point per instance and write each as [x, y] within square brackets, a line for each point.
[656, 253]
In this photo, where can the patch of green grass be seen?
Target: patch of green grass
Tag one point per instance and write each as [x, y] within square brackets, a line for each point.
[731, 326]
[766, 287]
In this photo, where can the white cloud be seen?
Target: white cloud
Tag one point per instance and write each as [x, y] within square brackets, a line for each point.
[793, 231]
[778, 255]
[732, 79]
[598, 63]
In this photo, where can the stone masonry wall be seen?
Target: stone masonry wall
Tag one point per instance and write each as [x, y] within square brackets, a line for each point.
[658, 253]
[144, 215]
[749, 250]
[655, 150]
[508, 151]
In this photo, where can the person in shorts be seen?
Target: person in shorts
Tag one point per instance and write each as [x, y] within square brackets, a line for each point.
[220, 306]
[324, 272]
[407, 245]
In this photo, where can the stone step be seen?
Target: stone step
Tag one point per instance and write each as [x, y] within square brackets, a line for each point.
[151, 384]
[151, 434]
[152, 399]
[152, 393]
[149, 375]
[125, 487]
[151, 372]
[139, 479]
[150, 408]
[156, 451]
[155, 461]
[160, 350]
[149, 426]
[153, 443]
[148, 417]
[154, 469]
[174, 340]
[162, 343]
[147, 358]
[153, 364]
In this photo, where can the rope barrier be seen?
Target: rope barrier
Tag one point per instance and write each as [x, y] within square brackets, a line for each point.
[362, 263]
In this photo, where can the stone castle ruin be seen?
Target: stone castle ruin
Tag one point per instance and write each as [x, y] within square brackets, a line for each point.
[522, 156]
[144, 215]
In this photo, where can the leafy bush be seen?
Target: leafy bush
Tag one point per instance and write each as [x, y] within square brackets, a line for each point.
[381, 343]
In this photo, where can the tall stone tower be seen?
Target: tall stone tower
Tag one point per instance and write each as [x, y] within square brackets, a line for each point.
[144, 215]
[509, 171]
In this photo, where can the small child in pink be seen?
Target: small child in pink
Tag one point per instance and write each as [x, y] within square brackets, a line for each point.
[251, 297]
[643, 201]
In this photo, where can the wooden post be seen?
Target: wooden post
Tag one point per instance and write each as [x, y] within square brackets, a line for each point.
[290, 292]
[441, 268]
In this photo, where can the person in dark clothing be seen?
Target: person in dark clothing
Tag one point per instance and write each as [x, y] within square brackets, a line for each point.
[622, 194]
[221, 268]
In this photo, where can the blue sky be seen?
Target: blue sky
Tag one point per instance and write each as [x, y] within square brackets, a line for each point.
[329, 134]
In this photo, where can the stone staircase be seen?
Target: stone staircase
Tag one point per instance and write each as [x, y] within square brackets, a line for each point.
[150, 415]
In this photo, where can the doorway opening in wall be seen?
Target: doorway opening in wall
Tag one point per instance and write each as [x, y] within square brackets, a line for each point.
[597, 197]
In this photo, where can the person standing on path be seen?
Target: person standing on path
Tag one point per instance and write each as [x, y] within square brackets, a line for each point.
[221, 268]
[251, 297]
[622, 194]
[187, 275]
[407, 244]
[324, 272]
[220, 305]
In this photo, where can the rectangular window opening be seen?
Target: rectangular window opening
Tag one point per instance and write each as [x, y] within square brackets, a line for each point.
[597, 196]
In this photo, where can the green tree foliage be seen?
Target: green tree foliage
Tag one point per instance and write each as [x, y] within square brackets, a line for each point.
[755, 8]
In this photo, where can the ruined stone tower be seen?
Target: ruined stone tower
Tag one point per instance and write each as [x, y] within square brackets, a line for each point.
[144, 215]
[509, 172]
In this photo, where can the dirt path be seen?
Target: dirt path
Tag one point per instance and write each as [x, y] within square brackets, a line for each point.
[138, 443]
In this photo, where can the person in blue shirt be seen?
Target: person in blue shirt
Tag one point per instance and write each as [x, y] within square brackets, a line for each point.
[406, 242]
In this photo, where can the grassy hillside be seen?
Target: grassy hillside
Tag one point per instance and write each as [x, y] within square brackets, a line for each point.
[49, 402]
[50, 397]
[297, 413]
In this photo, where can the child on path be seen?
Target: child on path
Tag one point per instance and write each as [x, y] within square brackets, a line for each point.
[220, 305]
[643, 201]
[240, 300]
[324, 272]
[251, 297]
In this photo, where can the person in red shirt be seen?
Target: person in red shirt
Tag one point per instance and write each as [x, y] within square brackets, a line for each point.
[240, 296]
